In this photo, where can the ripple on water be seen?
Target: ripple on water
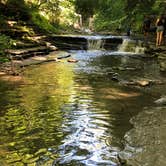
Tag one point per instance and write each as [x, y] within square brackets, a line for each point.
[88, 138]
[72, 114]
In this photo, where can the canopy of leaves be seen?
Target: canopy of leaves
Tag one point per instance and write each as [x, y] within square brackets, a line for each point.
[86, 7]
[113, 14]
[107, 14]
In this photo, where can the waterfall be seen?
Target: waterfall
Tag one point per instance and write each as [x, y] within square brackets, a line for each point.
[95, 44]
[132, 46]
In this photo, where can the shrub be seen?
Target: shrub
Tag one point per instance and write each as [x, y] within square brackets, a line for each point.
[42, 23]
[5, 43]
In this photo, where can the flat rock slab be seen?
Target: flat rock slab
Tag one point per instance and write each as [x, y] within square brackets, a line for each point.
[39, 58]
[2, 73]
[25, 51]
[53, 56]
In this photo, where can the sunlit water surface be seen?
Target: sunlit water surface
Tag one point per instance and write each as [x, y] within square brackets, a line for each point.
[72, 113]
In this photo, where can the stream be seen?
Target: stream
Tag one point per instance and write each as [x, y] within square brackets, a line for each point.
[77, 114]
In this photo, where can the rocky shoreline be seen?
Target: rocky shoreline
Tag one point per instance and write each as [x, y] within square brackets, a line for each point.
[46, 52]
[22, 55]
[20, 58]
[160, 53]
[145, 142]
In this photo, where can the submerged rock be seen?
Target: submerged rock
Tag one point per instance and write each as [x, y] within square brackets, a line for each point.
[162, 61]
[72, 60]
[163, 66]
[161, 101]
[115, 77]
[141, 83]
[160, 53]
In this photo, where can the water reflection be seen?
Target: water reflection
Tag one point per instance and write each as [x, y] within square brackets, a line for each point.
[34, 123]
[88, 137]
[69, 114]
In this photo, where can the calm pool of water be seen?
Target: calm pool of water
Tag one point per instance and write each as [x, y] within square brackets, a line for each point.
[72, 113]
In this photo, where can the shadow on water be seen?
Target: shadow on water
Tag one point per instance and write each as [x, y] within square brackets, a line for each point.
[72, 114]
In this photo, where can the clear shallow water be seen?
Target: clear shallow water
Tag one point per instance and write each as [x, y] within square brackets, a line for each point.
[72, 114]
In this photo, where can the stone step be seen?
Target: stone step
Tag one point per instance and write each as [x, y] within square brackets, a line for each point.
[25, 45]
[18, 54]
[23, 51]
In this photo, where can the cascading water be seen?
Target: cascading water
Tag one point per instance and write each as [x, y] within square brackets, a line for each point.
[95, 43]
[132, 46]
[128, 45]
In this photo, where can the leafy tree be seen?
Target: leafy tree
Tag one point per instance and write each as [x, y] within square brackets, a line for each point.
[58, 12]
[110, 14]
[86, 8]
[17, 10]
[49, 9]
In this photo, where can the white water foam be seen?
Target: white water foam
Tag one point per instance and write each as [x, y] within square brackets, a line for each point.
[131, 46]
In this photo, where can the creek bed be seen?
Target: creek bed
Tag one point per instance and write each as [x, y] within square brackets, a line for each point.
[63, 113]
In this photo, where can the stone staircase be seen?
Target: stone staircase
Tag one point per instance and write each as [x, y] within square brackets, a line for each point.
[20, 54]
[26, 42]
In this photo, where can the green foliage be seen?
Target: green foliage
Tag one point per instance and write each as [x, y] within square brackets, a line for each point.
[42, 23]
[5, 43]
[86, 8]
[159, 7]
[3, 59]
[57, 14]
[49, 9]
[110, 15]
[52, 16]
[17, 10]
[114, 14]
